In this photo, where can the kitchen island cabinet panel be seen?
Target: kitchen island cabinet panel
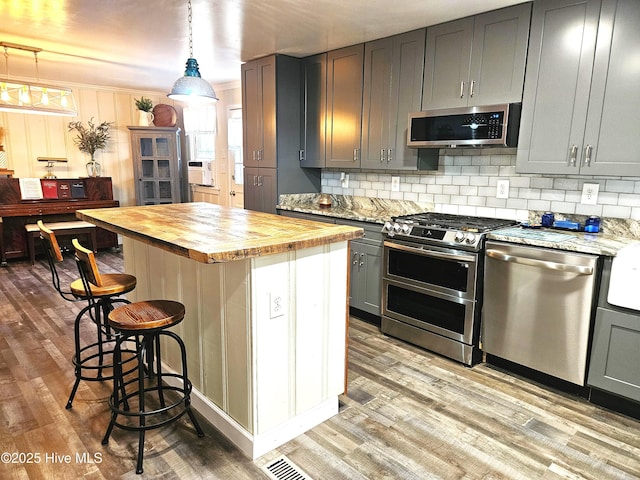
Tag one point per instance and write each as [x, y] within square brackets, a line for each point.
[266, 311]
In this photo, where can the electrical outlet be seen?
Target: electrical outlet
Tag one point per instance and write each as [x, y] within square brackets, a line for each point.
[344, 180]
[590, 193]
[276, 304]
[395, 184]
[502, 189]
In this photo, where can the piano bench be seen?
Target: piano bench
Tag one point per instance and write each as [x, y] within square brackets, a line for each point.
[61, 229]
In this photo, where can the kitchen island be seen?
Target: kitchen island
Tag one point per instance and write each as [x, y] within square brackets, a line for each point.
[266, 302]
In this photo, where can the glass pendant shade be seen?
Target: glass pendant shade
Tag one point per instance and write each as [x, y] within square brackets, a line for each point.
[192, 87]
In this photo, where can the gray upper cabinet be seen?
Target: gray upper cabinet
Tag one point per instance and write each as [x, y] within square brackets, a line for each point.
[271, 131]
[259, 107]
[344, 106]
[393, 71]
[314, 111]
[477, 60]
[581, 95]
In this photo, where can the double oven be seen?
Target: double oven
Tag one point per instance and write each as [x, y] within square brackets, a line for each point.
[432, 281]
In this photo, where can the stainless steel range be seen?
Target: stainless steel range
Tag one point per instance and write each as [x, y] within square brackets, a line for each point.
[432, 281]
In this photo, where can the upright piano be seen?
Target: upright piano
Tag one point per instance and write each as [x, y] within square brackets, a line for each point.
[74, 194]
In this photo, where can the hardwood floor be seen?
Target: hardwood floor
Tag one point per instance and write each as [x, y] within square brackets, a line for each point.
[409, 414]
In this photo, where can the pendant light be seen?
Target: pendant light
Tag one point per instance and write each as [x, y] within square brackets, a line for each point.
[192, 87]
[32, 97]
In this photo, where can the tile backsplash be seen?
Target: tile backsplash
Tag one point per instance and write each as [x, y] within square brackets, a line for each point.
[466, 183]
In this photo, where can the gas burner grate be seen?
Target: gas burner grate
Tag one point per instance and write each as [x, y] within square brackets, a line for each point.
[457, 222]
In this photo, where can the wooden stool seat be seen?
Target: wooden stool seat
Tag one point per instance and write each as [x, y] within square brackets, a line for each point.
[141, 401]
[147, 315]
[61, 229]
[112, 284]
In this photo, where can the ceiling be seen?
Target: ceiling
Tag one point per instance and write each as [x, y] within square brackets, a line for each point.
[143, 44]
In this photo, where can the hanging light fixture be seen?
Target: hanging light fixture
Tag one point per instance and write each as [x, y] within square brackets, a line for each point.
[192, 87]
[33, 97]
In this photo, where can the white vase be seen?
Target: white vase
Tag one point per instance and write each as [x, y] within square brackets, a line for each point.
[145, 119]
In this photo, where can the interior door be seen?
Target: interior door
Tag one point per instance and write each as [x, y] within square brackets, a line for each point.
[235, 165]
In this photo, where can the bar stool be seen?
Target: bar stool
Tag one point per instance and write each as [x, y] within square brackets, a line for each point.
[90, 360]
[145, 403]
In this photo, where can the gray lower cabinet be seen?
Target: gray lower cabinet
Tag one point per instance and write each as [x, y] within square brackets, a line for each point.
[260, 192]
[393, 71]
[615, 353]
[477, 60]
[581, 97]
[344, 106]
[366, 267]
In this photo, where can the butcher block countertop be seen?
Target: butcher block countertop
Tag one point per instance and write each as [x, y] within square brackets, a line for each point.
[210, 233]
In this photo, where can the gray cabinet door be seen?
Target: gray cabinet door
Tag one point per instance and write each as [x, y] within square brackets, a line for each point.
[344, 106]
[558, 79]
[392, 88]
[259, 112]
[612, 132]
[447, 61]
[366, 277]
[260, 192]
[314, 108]
[615, 353]
[499, 56]
[477, 60]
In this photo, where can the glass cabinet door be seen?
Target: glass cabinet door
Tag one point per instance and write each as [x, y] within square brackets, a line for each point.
[156, 166]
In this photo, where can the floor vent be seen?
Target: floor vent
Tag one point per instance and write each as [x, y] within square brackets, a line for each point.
[284, 469]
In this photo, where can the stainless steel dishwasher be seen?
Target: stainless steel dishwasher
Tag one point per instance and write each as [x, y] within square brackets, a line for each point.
[538, 306]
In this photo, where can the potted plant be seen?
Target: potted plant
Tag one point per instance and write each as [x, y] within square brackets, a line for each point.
[91, 138]
[144, 105]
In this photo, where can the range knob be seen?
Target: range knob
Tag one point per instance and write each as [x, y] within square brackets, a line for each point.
[459, 237]
[388, 226]
[471, 238]
[396, 227]
[405, 228]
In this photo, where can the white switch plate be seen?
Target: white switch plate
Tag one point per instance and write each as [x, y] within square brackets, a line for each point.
[590, 193]
[344, 180]
[395, 184]
[276, 304]
[502, 189]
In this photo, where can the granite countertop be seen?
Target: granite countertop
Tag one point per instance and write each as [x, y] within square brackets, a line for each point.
[362, 209]
[594, 243]
[210, 233]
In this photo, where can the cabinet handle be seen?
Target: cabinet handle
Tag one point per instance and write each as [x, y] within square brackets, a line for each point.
[355, 258]
[255, 181]
[355, 154]
[382, 155]
[389, 155]
[259, 155]
[573, 154]
[472, 88]
[254, 156]
[462, 89]
[301, 155]
[587, 155]
[259, 180]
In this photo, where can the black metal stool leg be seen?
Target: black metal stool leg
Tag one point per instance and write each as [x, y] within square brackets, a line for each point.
[77, 360]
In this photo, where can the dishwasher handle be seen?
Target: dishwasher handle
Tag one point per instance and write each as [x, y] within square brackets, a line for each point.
[532, 262]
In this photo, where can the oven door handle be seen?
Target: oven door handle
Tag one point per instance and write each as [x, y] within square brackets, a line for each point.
[532, 262]
[431, 253]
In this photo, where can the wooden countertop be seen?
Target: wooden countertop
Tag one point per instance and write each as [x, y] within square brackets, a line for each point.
[210, 233]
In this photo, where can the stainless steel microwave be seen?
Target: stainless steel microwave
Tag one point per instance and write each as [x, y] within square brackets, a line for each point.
[465, 126]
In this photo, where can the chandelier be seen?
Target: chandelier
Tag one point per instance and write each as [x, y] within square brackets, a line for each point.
[33, 97]
[192, 87]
